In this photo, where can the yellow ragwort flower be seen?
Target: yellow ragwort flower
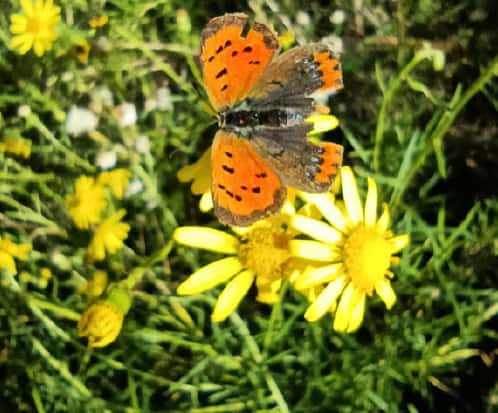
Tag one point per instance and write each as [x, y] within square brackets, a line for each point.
[87, 202]
[82, 50]
[16, 147]
[200, 174]
[259, 254]
[96, 285]
[108, 237]
[200, 171]
[358, 250]
[35, 29]
[116, 179]
[102, 321]
[10, 250]
[98, 21]
[286, 39]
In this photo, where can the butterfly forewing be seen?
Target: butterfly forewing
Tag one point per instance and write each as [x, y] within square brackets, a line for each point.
[231, 63]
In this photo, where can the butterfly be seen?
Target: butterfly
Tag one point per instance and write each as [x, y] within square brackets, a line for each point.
[262, 99]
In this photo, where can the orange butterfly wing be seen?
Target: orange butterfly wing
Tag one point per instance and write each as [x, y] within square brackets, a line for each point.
[231, 61]
[244, 187]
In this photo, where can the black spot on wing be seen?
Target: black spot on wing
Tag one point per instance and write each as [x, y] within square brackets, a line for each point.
[225, 87]
[221, 73]
[247, 49]
[228, 169]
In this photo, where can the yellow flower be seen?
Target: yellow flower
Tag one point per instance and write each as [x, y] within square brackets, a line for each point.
[86, 204]
[117, 180]
[109, 236]
[16, 146]
[200, 171]
[36, 27]
[260, 254]
[8, 251]
[200, 174]
[82, 50]
[98, 21]
[96, 284]
[286, 39]
[357, 248]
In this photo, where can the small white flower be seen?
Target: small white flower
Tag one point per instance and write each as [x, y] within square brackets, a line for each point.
[338, 17]
[142, 145]
[106, 160]
[101, 98]
[335, 43]
[134, 187]
[23, 111]
[126, 114]
[303, 18]
[163, 96]
[80, 120]
[150, 105]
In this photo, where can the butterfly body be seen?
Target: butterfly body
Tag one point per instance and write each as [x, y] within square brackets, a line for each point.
[262, 101]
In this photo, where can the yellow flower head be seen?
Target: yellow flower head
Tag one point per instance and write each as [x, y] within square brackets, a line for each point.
[97, 284]
[102, 321]
[8, 251]
[87, 202]
[116, 179]
[286, 39]
[357, 250]
[82, 50]
[259, 254]
[16, 147]
[109, 236]
[36, 27]
[98, 21]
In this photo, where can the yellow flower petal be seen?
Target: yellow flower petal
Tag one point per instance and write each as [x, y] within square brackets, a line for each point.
[210, 276]
[399, 242]
[38, 47]
[27, 6]
[17, 41]
[206, 202]
[232, 295]
[321, 275]
[385, 219]
[345, 308]
[201, 184]
[386, 293]
[7, 262]
[351, 195]
[315, 229]
[371, 203]
[322, 123]
[207, 238]
[313, 250]
[358, 312]
[325, 300]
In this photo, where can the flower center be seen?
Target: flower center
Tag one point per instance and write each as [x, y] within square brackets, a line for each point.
[367, 256]
[265, 250]
[34, 25]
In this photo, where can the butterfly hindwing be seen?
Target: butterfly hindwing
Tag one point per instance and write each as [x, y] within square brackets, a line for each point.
[299, 72]
[232, 60]
[300, 164]
[244, 187]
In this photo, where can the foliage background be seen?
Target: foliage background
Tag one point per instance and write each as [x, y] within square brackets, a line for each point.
[437, 167]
